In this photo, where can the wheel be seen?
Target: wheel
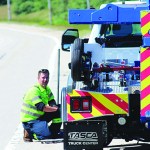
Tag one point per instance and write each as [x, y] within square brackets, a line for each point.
[76, 59]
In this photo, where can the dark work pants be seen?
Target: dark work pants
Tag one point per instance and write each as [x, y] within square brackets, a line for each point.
[40, 126]
[48, 117]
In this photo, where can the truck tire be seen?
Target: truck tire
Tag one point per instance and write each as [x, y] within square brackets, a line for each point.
[76, 59]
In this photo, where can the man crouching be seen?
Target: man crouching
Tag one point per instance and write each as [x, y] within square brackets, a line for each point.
[38, 109]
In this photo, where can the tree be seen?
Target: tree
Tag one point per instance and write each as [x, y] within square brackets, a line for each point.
[3, 2]
[28, 6]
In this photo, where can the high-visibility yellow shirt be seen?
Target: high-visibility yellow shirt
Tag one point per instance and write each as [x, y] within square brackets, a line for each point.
[33, 96]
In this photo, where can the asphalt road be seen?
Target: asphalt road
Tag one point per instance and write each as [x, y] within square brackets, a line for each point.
[23, 51]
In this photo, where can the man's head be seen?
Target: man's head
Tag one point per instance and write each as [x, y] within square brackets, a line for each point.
[43, 77]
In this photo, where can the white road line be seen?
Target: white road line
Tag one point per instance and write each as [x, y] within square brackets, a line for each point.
[18, 135]
[16, 138]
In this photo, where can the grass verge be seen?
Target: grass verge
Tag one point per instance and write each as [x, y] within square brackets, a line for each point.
[41, 18]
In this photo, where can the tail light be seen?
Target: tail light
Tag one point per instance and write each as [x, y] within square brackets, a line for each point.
[81, 104]
[85, 104]
[76, 104]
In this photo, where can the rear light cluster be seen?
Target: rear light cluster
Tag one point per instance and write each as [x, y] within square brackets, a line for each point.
[81, 104]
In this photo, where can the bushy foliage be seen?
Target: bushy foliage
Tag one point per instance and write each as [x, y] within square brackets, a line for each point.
[59, 8]
[77, 4]
[28, 6]
[3, 2]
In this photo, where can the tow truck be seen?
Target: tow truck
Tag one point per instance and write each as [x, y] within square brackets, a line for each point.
[108, 89]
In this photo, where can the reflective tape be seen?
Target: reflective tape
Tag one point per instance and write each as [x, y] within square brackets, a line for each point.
[102, 104]
[145, 65]
[35, 98]
[30, 113]
[35, 136]
[57, 120]
[29, 106]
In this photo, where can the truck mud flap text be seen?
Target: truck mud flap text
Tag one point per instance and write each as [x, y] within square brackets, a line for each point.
[87, 135]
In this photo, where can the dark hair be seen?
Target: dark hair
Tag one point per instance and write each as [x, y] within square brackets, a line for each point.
[43, 71]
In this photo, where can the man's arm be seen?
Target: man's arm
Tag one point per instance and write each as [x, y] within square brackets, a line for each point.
[42, 107]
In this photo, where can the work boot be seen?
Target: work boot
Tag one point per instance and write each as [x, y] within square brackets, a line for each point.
[26, 137]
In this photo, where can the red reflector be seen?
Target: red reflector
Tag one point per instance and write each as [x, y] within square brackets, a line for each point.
[86, 104]
[76, 104]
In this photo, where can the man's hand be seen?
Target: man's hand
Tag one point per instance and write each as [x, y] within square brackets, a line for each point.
[48, 108]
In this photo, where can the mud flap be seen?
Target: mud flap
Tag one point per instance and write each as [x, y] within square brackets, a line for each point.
[87, 135]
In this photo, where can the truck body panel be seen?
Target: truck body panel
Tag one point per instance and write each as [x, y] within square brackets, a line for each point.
[102, 104]
[110, 72]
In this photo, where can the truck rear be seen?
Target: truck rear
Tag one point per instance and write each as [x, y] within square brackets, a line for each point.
[107, 93]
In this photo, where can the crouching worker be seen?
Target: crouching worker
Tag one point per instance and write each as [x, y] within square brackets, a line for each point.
[38, 109]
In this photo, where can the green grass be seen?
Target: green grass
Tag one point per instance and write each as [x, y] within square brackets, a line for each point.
[3, 13]
[41, 18]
